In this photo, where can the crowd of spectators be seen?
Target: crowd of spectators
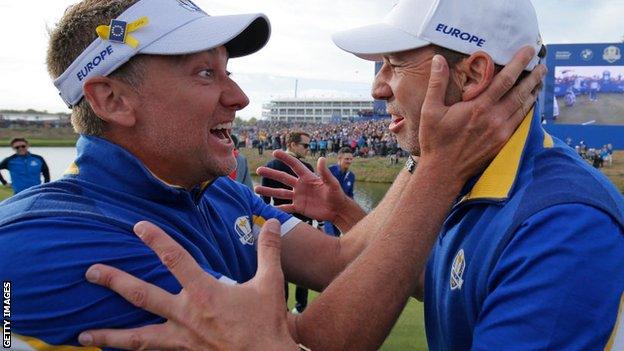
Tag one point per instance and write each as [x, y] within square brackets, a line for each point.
[597, 156]
[365, 139]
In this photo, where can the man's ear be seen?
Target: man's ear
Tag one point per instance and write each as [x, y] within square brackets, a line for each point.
[478, 72]
[112, 100]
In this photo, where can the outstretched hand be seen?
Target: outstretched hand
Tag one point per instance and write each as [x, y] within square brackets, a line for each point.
[206, 314]
[315, 196]
[463, 138]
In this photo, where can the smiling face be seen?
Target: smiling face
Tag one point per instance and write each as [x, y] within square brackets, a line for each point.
[184, 114]
[20, 147]
[402, 82]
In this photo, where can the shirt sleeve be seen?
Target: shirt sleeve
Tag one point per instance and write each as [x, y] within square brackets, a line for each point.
[46, 259]
[45, 171]
[557, 284]
[4, 165]
[262, 212]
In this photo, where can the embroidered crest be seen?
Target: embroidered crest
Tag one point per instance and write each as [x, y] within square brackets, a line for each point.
[243, 228]
[457, 270]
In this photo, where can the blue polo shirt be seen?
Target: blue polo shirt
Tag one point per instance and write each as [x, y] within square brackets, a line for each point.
[50, 235]
[25, 170]
[346, 179]
[531, 257]
[347, 182]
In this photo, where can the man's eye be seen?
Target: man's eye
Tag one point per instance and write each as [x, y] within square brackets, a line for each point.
[207, 73]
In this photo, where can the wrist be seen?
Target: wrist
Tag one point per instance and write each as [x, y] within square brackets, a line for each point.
[440, 176]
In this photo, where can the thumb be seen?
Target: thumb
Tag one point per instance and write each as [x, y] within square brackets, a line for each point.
[323, 171]
[438, 81]
[269, 251]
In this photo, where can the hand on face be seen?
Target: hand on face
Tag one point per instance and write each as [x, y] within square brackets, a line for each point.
[206, 314]
[315, 196]
[462, 139]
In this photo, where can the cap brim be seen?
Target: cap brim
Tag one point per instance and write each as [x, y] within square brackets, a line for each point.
[241, 34]
[373, 41]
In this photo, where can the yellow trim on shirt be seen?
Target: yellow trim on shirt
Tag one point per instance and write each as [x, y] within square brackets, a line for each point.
[497, 180]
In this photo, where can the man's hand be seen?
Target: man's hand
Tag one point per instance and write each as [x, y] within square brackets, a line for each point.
[463, 138]
[315, 196]
[206, 314]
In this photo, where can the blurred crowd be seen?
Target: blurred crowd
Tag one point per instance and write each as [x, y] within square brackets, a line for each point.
[597, 156]
[366, 139]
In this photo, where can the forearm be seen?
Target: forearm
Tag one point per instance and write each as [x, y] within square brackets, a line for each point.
[363, 232]
[385, 271]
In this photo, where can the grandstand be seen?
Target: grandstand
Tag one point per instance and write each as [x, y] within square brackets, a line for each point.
[317, 110]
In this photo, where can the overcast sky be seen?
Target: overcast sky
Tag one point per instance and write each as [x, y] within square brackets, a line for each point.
[300, 46]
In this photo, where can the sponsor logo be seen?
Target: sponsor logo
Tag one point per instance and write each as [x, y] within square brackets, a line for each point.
[243, 228]
[563, 55]
[457, 270]
[189, 5]
[84, 72]
[587, 55]
[460, 34]
[611, 54]
[34, 163]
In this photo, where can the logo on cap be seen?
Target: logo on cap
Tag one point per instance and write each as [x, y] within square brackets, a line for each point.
[117, 31]
[611, 54]
[460, 34]
[587, 54]
[189, 5]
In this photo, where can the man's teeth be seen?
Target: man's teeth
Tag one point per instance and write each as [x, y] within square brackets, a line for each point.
[221, 126]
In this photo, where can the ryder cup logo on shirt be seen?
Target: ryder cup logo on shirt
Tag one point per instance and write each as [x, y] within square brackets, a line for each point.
[457, 270]
[611, 54]
[242, 226]
[34, 163]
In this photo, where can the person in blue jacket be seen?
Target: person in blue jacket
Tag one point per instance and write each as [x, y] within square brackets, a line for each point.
[25, 168]
[346, 178]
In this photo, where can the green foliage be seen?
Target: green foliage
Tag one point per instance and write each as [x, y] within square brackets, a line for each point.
[5, 192]
[408, 333]
[373, 170]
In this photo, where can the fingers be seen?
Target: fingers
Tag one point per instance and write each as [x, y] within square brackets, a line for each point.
[289, 208]
[525, 91]
[179, 262]
[269, 251]
[141, 294]
[292, 162]
[518, 116]
[505, 79]
[323, 171]
[148, 337]
[436, 91]
[274, 192]
[279, 176]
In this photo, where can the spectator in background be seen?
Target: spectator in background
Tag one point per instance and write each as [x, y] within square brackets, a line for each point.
[297, 145]
[241, 172]
[323, 147]
[25, 168]
[346, 179]
[313, 146]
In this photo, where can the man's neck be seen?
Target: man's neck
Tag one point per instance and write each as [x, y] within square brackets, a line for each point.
[293, 154]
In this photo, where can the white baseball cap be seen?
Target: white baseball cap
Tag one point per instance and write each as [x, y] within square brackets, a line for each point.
[498, 27]
[161, 27]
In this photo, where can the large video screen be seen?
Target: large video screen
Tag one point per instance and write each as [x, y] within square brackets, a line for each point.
[589, 95]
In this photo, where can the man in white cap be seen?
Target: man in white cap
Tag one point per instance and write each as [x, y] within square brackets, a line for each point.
[153, 102]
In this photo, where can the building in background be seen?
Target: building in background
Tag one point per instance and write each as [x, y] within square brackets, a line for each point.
[318, 110]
